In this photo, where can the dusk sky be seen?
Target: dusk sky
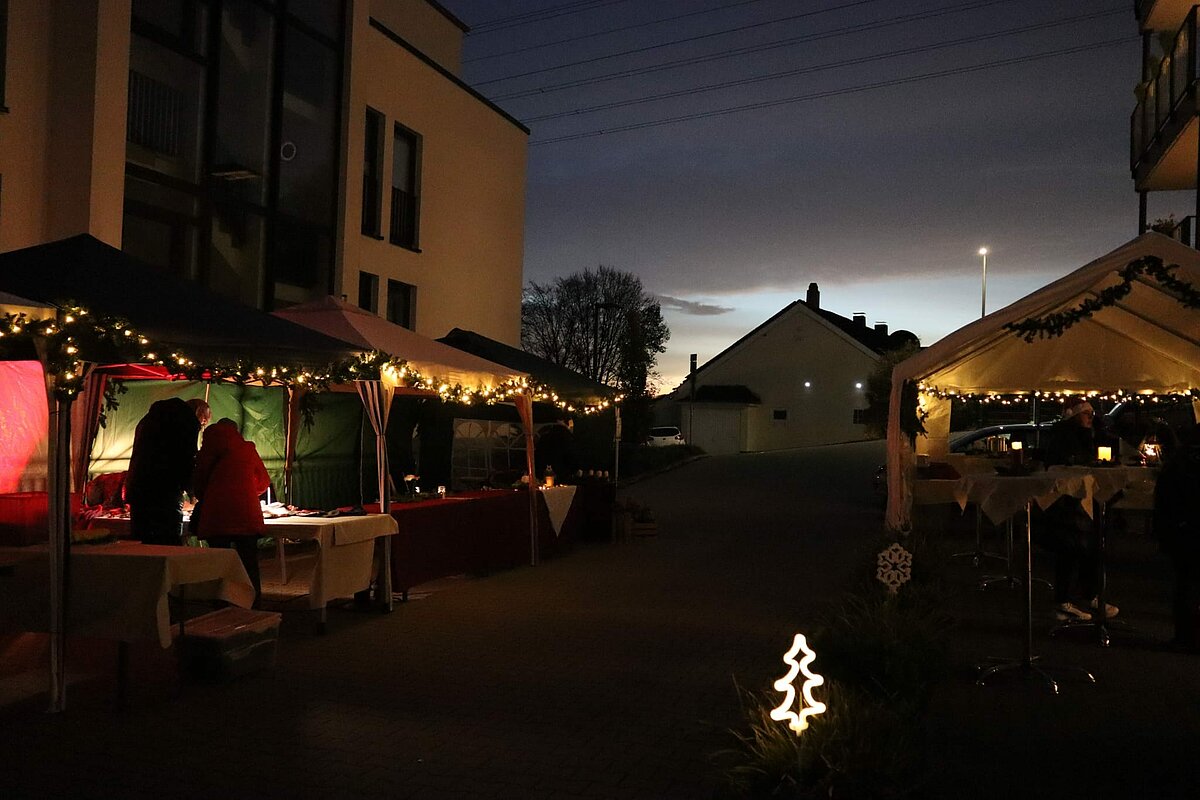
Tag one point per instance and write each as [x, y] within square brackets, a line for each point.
[870, 146]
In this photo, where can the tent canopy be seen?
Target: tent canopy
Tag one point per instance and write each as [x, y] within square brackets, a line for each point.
[365, 330]
[1148, 341]
[566, 382]
[86, 272]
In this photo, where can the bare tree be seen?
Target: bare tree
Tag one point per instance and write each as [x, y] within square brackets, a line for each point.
[600, 323]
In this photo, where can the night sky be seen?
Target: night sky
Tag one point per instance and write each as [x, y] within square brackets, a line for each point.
[870, 146]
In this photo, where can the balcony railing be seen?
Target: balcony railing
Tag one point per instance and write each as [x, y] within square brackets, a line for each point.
[1162, 101]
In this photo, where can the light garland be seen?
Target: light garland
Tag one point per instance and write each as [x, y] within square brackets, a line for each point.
[78, 338]
[1014, 398]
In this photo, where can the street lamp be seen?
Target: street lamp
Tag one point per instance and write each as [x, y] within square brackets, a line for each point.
[983, 251]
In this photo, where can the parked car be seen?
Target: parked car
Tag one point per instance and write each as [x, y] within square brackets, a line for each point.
[665, 437]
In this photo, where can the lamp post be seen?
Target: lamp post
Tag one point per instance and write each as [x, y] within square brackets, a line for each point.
[983, 251]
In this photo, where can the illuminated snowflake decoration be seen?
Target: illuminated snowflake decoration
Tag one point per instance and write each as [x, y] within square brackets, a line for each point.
[798, 722]
[894, 567]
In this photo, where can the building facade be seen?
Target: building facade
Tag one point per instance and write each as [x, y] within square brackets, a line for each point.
[1164, 144]
[798, 379]
[272, 150]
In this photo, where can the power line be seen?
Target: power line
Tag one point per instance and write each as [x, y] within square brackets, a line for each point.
[690, 39]
[826, 66]
[833, 33]
[837, 92]
[583, 36]
[540, 16]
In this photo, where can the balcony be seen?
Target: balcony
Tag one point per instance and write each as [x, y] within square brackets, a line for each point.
[1161, 15]
[1162, 130]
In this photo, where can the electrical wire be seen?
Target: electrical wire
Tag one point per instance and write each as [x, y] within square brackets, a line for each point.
[540, 16]
[687, 40]
[826, 66]
[837, 92]
[622, 29]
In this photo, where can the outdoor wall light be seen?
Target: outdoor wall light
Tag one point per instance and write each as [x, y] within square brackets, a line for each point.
[808, 384]
[858, 385]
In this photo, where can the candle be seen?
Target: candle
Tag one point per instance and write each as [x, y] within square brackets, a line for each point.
[1017, 445]
[1104, 453]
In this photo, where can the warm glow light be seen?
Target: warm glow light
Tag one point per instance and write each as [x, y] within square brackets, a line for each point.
[983, 251]
[1104, 453]
[798, 722]
[1017, 445]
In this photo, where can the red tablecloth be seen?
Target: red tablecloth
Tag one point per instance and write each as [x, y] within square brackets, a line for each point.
[475, 533]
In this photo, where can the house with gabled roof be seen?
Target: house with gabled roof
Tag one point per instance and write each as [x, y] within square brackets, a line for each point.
[796, 380]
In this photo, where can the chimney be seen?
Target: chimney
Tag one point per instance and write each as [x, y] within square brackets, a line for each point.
[860, 319]
[813, 300]
[881, 328]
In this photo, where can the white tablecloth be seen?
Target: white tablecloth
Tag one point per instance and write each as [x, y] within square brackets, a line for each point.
[1000, 496]
[558, 503]
[119, 590]
[346, 547]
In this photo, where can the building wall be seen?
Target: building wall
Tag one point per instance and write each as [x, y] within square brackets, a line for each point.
[468, 268]
[62, 141]
[425, 27]
[775, 365]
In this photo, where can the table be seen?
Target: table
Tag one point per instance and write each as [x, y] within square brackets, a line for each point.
[345, 552]
[558, 504]
[120, 590]
[1000, 497]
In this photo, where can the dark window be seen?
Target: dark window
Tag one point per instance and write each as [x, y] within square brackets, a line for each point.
[240, 159]
[368, 292]
[779, 415]
[860, 416]
[406, 201]
[164, 119]
[161, 226]
[308, 160]
[402, 304]
[178, 23]
[320, 15]
[3, 49]
[372, 173]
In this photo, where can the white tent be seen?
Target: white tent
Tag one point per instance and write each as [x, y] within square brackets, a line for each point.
[350, 323]
[1148, 341]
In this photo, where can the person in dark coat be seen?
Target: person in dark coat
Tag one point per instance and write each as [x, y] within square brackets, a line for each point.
[228, 479]
[1177, 525]
[1066, 530]
[160, 469]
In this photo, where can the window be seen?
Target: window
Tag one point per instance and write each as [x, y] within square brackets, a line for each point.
[402, 304]
[3, 49]
[406, 204]
[372, 173]
[368, 292]
[779, 415]
[860, 416]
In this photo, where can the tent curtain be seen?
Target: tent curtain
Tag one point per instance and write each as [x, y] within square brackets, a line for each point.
[377, 397]
[85, 423]
[524, 404]
[291, 433]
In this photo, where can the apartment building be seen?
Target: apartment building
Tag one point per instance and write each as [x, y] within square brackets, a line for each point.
[272, 150]
[1164, 142]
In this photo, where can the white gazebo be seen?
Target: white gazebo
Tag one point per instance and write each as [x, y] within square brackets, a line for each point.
[1146, 342]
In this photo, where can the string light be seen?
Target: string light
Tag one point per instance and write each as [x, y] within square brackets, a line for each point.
[1013, 398]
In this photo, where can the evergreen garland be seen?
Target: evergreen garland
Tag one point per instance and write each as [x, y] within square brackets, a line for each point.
[1056, 324]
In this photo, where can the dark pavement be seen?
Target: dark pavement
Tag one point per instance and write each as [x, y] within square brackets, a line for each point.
[610, 672]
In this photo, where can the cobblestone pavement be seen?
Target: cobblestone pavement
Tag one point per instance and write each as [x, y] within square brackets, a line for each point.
[608, 672]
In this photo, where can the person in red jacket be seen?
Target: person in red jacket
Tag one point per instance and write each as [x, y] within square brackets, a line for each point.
[228, 479]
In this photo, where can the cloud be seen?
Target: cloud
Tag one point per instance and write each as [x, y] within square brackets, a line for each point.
[689, 307]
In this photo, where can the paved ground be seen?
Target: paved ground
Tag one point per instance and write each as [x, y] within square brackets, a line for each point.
[610, 673]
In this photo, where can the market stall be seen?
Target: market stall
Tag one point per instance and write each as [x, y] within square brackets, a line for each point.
[1122, 325]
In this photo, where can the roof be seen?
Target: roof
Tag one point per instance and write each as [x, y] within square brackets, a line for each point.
[84, 271]
[566, 382]
[350, 323]
[867, 339]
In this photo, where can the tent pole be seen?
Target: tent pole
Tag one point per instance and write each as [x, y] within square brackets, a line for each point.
[617, 446]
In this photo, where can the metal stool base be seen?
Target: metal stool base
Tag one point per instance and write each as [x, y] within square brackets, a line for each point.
[1027, 668]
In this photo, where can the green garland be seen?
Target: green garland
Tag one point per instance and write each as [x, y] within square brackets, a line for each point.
[1056, 324]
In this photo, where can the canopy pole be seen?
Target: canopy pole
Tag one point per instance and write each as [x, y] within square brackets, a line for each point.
[524, 404]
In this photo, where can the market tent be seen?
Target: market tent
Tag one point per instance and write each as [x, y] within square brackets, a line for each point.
[347, 322]
[1148, 342]
[567, 383]
[83, 271]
